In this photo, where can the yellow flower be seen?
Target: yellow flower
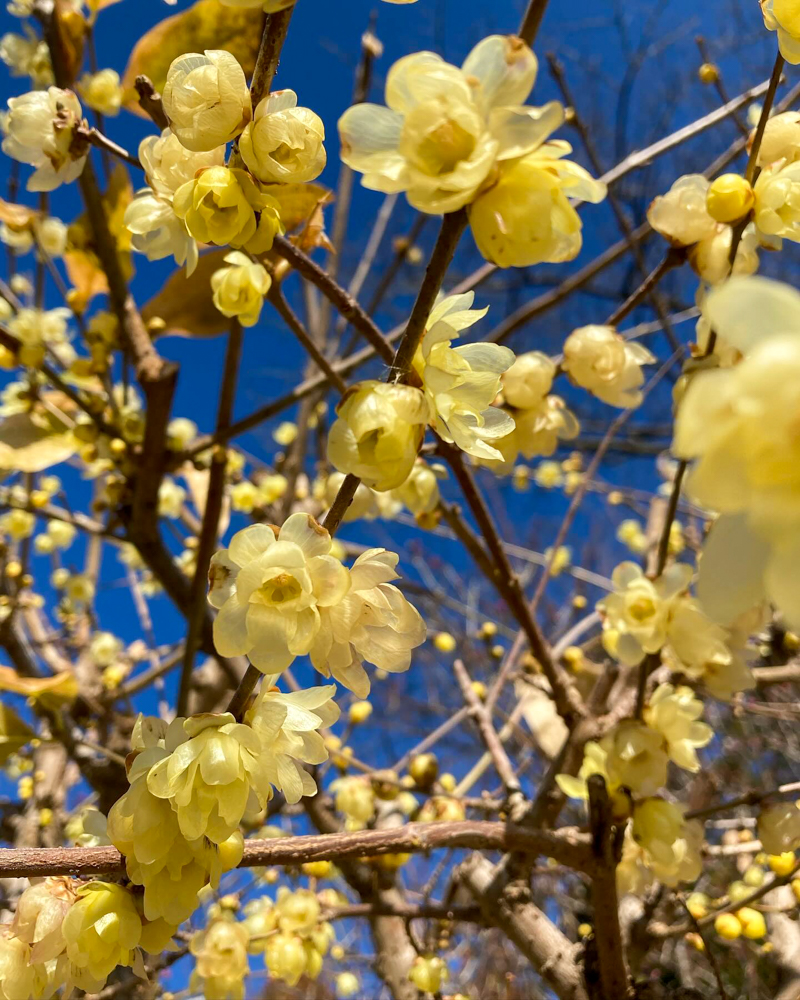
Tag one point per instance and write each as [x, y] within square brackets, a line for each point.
[102, 91]
[636, 614]
[221, 958]
[528, 380]
[373, 622]
[526, 217]
[783, 16]
[779, 827]
[40, 914]
[710, 258]
[537, 431]
[171, 498]
[681, 215]
[210, 775]
[206, 99]
[427, 972]
[27, 55]
[728, 926]
[657, 826]
[221, 205]
[777, 194]
[781, 139]
[40, 130]
[597, 358]
[461, 383]
[739, 425]
[19, 975]
[284, 143]
[287, 726]
[270, 590]
[157, 232]
[168, 164]
[420, 491]
[674, 712]
[239, 289]
[101, 931]
[378, 432]
[445, 128]
[729, 198]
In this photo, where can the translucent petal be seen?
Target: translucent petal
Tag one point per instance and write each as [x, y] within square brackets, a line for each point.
[506, 68]
[521, 130]
[745, 311]
[731, 576]
[249, 543]
[230, 629]
[304, 531]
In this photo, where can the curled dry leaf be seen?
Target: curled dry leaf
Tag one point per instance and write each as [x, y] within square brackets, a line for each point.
[33, 444]
[207, 24]
[184, 306]
[49, 692]
[14, 733]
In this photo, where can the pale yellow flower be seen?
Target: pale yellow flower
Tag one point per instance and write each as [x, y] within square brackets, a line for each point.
[270, 590]
[460, 383]
[444, 127]
[206, 99]
[783, 16]
[40, 130]
[157, 232]
[739, 425]
[657, 825]
[729, 198]
[680, 215]
[104, 648]
[19, 975]
[284, 143]
[710, 258]
[526, 217]
[528, 380]
[171, 498]
[597, 358]
[674, 712]
[779, 827]
[777, 201]
[420, 491]
[636, 615]
[378, 432]
[40, 913]
[101, 930]
[239, 289]
[781, 139]
[27, 55]
[537, 431]
[288, 727]
[373, 622]
[355, 797]
[102, 91]
[226, 206]
[220, 951]
[428, 971]
[168, 164]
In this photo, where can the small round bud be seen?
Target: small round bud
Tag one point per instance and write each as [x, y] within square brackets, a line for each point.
[782, 864]
[708, 73]
[728, 926]
[359, 711]
[317, 869]
[729, 198]
[444, 642]
[424, 769]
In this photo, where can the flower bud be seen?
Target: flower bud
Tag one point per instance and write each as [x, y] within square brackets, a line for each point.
[239, 289]
[728, 926]
[378, 432]
[206, 99]
[729, 198]
[220, 205]
[598, 359]
[528, 380]
[283, 143]
[708, 73]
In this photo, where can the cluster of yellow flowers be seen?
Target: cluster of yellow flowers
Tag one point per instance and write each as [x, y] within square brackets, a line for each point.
[452, 138]
[644, 616]
[290, 933]
[281, 594]
[72, 934]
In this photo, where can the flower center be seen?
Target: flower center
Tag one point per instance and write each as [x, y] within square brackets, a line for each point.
[444, 147]
[280, 589]
[641, 608]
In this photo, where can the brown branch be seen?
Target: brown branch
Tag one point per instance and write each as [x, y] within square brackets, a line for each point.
[276, 27]
[96, 138]
[606, 845]
[568, 847]
[150, 101]
[531, 21]
[286, 313]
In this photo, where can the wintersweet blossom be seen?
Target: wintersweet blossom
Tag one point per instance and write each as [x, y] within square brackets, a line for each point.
[270, 588]
[777, 201]
[225, 206]
[460, 383]
[27, 55]
[683, 862]
[674, 712]
[636, 758]
[168, 164]
[288, 727]
[636, 614]
[783, 16]
[40, 914]
[378, 432]
[781, 139]
[528, 380]
[597, 358]
[526, 217]
[41, 130]
[537, 431]
[220, 950]
[657, 827]
[239, 288]
[102, 930]
[420, 491]
[206, 99]
[215, 769]
[779, 827]
[445, 128]
[355, 797]
[738, 425]
[710, 258]
[373, 622]
[102, 91]
[283, 143]
[681, 215]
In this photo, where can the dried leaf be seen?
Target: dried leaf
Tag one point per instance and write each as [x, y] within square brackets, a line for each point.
[14, 733]
[50, 692]
[17, 217]
[71, 27]
[87, 277]
[207, 24]
[32, 445]
[184, 306]
[299, 202]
